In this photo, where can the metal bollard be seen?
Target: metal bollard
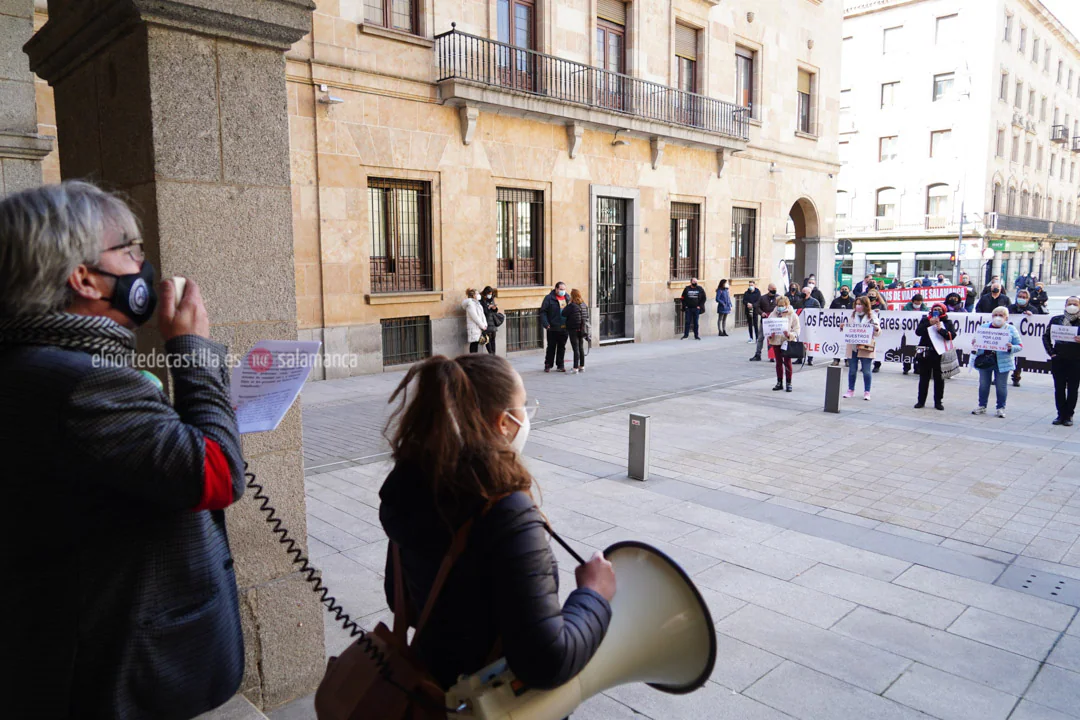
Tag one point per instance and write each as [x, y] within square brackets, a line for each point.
[637, 463]
[834, 375]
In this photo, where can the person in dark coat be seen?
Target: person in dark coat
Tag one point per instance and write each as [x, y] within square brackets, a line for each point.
[809, 302]
[693, 302]
[916, 304]
[863, 286]
[1022, 306]
[995, 280]
[936, 321]
[121, 600]
[765, 308]
[457, 442]
[553, 321]
[490, 305]
[954, 304]
[750, 299]
[794, 296]
[1039, 298]
[1065, 363]
[843, 301]
[995, 298]
[577, 326]
[878, 305]
[723, 307]
[970, 296]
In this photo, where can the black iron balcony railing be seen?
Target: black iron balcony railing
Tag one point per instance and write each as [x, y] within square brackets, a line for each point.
[469, 57]
[1076, 143]
[1059, 134]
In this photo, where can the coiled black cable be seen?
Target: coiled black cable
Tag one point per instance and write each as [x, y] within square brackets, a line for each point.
[311, 575]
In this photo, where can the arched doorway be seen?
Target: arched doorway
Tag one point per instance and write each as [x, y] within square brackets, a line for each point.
[802, 250]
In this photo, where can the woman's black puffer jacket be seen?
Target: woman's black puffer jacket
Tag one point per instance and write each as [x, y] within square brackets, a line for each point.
[505, 585]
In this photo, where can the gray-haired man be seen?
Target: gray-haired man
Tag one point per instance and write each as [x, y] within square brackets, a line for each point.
[123, 599]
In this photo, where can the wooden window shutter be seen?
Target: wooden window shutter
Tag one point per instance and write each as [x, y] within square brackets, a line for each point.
[685, 42]
[612, 11]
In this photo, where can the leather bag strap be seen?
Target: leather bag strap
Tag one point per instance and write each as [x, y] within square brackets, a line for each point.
[401, 605]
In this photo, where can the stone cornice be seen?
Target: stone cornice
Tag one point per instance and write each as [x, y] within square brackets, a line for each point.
[23, 146]
[76, 31]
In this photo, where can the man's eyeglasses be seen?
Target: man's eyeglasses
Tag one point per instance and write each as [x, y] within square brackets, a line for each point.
[134, 248]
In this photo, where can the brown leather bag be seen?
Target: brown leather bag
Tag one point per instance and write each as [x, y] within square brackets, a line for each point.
[379, 676]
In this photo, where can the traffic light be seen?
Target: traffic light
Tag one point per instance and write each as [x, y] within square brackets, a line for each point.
[952, 258]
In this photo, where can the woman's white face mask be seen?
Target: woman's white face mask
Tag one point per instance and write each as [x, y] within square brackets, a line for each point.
[998, 321]
[518, 442]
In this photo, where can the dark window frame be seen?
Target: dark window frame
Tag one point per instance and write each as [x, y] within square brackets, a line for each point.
[401, 261]
[515, 270]
[684, 215]
[743, 242]
[385, 9]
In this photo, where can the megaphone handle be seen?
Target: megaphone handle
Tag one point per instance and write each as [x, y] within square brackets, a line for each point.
[562, 542]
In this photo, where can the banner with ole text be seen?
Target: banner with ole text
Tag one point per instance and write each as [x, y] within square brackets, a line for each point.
[821, 332]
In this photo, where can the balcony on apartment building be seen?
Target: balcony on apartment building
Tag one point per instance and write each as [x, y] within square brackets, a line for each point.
[1017, 223]
[487, 73]
[1076, 143]
[1059, 134]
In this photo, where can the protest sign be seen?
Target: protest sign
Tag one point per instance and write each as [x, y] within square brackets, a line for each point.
[858, 333]
[1062, 333]
[773, 326]
[991, 338]
[268, 380]
[898, 341]
[934, 294]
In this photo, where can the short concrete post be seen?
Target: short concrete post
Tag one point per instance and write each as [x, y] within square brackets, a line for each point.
[637, 463]
[834, 375]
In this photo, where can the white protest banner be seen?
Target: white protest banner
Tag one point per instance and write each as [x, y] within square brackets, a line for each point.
[858, 333]
[991, 338]
[937, 293]
[898, 341]
[773, 326]
[267, 382]
[1062, 333]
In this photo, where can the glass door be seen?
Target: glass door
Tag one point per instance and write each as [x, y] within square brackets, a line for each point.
[517, 27]
[611, 51]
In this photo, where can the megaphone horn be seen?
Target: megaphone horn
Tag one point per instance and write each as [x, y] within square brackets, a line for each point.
[661, 633]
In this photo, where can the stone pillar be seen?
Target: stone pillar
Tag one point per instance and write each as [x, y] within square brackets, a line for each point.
[21, 148]
[181, 104]
[820, 259]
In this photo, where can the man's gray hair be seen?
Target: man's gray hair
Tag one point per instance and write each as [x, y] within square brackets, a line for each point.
[45, 233]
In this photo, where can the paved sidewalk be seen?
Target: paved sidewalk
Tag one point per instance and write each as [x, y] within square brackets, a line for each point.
[859, 565]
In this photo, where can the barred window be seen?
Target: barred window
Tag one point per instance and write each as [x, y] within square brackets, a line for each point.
[685, 237]
[406, 340]
[743, 241]
[519, 237]
[400, 235]
[396, 14]
[523, 330]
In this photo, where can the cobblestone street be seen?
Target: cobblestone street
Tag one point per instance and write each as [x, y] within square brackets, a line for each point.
[866, 564]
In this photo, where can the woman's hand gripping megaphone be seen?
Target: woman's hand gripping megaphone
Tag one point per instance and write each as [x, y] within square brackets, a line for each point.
[597, 575]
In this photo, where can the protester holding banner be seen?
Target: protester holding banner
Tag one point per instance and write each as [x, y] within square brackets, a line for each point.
[843, 301]
[954, 304]
[815, 292]
[765, 307]
[780, 334]
[795, 296]
[970, 296]
[1062, 344]
[916, 304]
[878, 305]
[995, 345]
[751, 298]
[859, 333]
[993, 299]
[936, 331]
[1023, 306]
[994, 280]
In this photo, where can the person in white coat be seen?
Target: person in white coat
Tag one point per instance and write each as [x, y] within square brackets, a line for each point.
[475, 322]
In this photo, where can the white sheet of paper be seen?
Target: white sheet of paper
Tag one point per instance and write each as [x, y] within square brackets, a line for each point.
[935, 338]
[858, 333]
[991, 339]
[773, 326]
[266, 383]
[1063, 333]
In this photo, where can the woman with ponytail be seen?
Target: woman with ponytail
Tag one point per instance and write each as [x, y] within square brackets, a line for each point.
[456, 439]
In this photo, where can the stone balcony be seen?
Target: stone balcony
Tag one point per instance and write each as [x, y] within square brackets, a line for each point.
[476, 73]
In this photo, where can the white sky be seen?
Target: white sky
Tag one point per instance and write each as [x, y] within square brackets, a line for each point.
[1068, 12]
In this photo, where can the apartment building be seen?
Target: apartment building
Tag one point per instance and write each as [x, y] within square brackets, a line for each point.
[958, 140]
[620, 147]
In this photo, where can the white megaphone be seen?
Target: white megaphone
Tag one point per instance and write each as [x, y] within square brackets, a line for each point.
[661, 633]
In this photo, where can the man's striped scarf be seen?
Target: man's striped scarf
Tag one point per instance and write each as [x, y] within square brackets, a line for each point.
[88, 333]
